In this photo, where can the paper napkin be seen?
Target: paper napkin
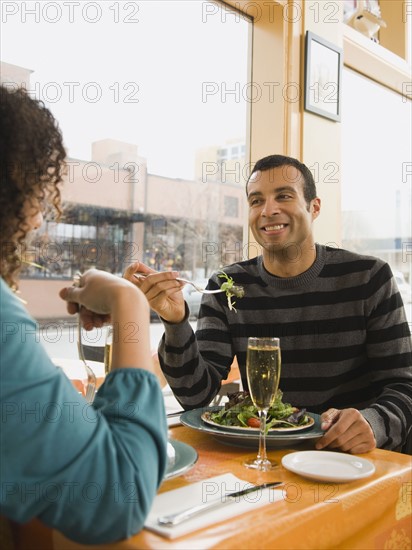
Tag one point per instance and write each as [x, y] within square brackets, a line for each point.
[172, 405]
[204, 491]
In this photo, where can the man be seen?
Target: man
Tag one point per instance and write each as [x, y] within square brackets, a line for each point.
[345, 341]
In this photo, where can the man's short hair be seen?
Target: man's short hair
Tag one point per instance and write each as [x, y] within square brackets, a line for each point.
[276, 161]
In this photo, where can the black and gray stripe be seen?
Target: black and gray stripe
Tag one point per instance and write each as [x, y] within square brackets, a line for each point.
[344, 336]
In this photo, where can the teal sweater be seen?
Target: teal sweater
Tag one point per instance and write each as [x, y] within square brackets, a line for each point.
[344, 339]
[90, 471]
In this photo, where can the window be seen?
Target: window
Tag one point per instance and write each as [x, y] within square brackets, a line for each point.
[231, 207]
[146, 116]
[234, 152]
[376, 194]
[222, 154]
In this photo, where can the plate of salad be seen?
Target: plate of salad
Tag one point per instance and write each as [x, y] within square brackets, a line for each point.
[247, 437]
[239, 413]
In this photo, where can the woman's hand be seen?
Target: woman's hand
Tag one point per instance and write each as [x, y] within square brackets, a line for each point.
[101, 297]
[94, 297]
[161, 289]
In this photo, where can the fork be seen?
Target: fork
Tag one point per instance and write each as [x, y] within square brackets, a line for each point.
[235, 289]
[199, 288]
[91, 377]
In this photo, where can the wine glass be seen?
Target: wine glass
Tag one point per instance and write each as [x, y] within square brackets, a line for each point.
[263, 372]
[108, 347]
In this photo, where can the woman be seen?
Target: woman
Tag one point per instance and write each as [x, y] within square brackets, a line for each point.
[90, 471]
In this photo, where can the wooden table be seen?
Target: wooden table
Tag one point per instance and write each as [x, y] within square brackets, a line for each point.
[366, 514]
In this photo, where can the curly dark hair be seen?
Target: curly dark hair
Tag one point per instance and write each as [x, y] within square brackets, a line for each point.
[32, 163]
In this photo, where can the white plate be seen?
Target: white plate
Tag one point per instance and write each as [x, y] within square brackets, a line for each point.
[181, 458]
[328, 465]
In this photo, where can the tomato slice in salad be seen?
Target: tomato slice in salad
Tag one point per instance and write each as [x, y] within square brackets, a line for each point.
[253, 423]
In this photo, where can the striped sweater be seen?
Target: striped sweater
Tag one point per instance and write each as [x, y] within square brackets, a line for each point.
[343, 332]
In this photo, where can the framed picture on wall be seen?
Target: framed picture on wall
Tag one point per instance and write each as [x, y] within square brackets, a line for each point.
[323, 77]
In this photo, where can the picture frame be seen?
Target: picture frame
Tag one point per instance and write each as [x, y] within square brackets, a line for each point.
[323, 77]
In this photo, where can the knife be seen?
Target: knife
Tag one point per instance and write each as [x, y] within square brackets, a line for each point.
[173, 414]
[176, 519]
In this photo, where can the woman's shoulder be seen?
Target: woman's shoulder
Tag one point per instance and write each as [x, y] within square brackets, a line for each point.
[11, 306]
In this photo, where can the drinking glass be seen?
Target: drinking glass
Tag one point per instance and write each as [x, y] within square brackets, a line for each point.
[263, 365]
[108, 346]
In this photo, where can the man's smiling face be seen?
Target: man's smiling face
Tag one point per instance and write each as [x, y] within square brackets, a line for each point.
[279, 215]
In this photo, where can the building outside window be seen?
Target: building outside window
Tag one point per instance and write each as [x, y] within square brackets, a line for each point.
[134, 131]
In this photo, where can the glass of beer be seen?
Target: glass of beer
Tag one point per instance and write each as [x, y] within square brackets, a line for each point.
[263, 365]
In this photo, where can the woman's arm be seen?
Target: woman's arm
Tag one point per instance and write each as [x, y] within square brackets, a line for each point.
[90, 471]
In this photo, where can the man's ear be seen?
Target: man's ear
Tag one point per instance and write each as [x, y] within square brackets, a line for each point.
[315, 207]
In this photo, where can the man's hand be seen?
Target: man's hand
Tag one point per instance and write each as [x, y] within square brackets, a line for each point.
[162, 290]
[346, 430]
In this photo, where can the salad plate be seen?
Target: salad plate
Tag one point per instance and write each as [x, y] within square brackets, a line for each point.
[181, 458]
[328, 466]
[206, 417]
[193, 419]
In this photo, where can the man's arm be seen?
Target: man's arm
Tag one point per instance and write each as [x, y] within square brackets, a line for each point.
[386, 422]
[193, 364]
[389, 349]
